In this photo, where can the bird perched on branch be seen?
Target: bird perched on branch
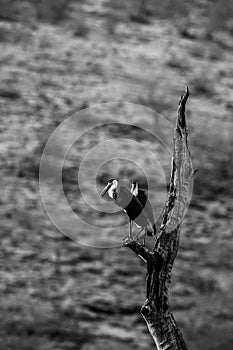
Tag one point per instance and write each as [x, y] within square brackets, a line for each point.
[131, 205]
[147, 208]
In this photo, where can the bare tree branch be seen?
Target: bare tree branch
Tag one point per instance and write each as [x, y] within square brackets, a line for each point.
[155, 311]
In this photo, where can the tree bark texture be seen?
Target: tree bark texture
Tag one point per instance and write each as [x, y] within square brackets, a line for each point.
[155, 311]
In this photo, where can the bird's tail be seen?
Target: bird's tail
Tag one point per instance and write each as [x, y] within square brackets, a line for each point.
[154, 229]
[151, 230]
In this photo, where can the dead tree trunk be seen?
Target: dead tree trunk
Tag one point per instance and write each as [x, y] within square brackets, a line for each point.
[155, 311]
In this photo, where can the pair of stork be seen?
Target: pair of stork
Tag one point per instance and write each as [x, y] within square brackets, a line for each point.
[136, 205]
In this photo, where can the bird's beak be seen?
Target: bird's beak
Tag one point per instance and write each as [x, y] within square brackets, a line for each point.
[105, 190]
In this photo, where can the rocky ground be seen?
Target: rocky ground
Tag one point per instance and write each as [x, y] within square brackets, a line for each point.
[56, 294]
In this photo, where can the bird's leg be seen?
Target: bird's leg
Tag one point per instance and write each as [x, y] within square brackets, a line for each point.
[130, 228]
[137, 235]
[144, 240]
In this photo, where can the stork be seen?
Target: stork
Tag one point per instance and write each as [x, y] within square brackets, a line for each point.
[130, 204]
[147, 208]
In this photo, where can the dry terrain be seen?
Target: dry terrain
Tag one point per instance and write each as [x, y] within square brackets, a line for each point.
[56, 294]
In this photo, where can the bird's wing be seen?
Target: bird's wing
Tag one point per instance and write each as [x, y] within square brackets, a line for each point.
[148, 210]
[142, 197]
[126, 200]
[125, 197]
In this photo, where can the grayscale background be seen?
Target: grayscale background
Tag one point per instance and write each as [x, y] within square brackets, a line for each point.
[63, 56]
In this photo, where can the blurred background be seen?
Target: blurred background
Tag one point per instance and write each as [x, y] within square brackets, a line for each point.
[59, 56]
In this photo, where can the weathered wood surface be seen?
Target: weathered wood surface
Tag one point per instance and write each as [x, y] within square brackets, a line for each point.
[155, 311]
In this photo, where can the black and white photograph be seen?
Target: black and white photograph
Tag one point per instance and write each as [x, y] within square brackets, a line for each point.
[116, 139]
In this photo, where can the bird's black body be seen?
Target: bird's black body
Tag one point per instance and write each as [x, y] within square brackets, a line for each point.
[126, 200]
[145, 203]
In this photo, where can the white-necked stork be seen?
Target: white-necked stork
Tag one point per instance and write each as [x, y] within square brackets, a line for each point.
[130, 204]
[147, 208]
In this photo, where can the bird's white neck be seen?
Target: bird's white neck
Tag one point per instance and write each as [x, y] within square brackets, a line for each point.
[112, 189]
[111, 192]
[134, 189]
